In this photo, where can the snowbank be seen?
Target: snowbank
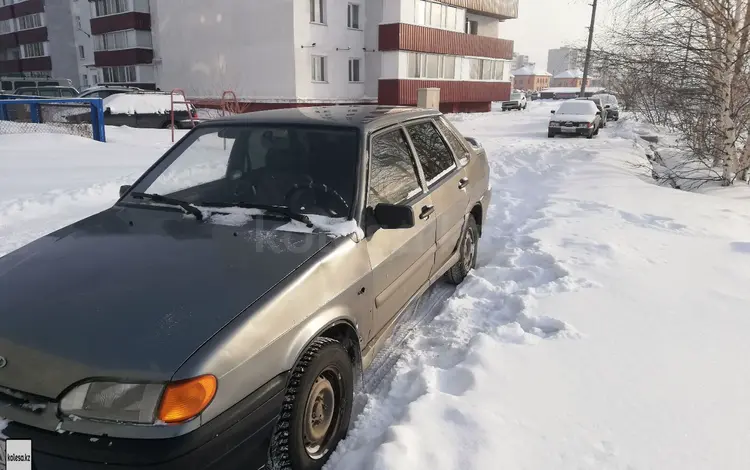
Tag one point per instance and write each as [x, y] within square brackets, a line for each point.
[142, 103]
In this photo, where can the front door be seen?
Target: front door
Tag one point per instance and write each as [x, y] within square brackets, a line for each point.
[401, 259]
[446, 185]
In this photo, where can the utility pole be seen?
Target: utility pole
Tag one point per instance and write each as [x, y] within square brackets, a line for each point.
[588, 49]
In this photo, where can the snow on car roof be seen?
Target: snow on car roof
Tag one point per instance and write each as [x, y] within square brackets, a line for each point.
[142, 103]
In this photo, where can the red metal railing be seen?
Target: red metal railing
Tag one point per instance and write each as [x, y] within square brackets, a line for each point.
[184, 101]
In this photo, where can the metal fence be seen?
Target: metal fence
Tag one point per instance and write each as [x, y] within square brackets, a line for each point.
[83, 117]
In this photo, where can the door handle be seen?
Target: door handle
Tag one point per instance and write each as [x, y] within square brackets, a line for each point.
[427, 211]
[463, 182]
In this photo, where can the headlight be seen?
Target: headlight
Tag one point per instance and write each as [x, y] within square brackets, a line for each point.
[140, 403]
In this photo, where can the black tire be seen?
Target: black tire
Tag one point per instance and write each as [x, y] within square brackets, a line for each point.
[468, 257]
[325, 360]
[550, 134]
[590, 135]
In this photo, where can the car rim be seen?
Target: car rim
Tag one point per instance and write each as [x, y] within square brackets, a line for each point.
[321, 414]
[468, 251]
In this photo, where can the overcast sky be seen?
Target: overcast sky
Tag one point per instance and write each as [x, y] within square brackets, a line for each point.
[549, 24]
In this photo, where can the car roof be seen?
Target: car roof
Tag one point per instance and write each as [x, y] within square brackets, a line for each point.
[45, 86]
[358, 116]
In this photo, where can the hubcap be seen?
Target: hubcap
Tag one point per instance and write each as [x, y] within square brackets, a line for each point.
[468, 251]
[320, 411]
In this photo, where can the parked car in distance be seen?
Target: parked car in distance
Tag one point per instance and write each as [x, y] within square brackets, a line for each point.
[610, 104]
[8, 83]
[533, 95]
[517, 101]
[575, 117]
[600, 106]
[47, 91]
[104, 91]
[221, 312]
[150, 110]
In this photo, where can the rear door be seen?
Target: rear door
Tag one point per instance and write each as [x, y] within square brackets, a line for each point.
[446, 184]
[401, 259]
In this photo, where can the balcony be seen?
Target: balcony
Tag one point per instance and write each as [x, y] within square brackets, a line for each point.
[36, 64]
[404, 92]
[409, 37]
[121, 21]
[500, 9]
[10, 66]
[30, 36]
[123, 57]
[28, 7]
[8, 40]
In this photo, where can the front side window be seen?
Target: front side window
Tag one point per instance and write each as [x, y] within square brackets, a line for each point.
[432, 151]
[457, 143]
[393, 177]
[311, 169]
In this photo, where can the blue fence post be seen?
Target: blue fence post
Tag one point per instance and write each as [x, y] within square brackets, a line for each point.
[97, 119]
[36, 115]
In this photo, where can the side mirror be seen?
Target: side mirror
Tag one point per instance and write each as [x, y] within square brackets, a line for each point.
[124, 189]
[394, 216]
[552, 112]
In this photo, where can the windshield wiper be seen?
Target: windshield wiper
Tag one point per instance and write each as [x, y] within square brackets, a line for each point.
[280, 210]
[186, 206]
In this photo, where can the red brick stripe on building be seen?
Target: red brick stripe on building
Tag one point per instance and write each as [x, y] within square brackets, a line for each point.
[409, 37]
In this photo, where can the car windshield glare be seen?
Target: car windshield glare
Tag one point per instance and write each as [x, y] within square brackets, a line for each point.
[580, 107]
[307, 169]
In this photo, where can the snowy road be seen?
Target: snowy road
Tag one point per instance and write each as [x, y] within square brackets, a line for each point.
[605, 327]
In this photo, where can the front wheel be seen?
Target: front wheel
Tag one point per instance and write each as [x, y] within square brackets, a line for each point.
[467, 248]
[550, 134]
[317, 408]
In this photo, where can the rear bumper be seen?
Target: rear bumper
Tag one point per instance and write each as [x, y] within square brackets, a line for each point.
[612, 115]
[237, 439]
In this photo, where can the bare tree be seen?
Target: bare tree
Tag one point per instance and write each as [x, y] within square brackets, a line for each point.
[684, 64]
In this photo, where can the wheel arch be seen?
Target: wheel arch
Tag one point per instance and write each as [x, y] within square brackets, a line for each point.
[478, 212]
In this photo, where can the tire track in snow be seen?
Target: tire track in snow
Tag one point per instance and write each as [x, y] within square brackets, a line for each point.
[432, 353]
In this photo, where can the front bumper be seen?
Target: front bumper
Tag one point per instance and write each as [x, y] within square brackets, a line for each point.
[571, 130]
[237, 439]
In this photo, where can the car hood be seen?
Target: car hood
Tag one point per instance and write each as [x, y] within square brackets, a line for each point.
[131, 293]
[573, 117]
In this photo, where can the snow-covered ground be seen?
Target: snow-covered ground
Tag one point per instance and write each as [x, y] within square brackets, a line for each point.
[604, 328]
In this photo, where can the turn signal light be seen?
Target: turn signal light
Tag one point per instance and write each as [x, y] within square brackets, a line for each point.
[186, 399]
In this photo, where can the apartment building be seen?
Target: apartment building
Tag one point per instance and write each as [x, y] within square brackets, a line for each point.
[284, 53]
[565, 58]
[32, 33]
[520, 61]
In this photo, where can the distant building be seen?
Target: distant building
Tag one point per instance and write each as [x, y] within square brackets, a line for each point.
[520, 61]
[531, 78]
[565, 58]
[569, 78]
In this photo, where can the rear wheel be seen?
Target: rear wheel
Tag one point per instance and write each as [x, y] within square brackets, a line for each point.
[550, 134]
[317, 408]
[467, 248]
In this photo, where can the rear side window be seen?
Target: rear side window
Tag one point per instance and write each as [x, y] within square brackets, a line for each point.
[393, 177]
[28, 91]
[67, 92]
[7, 86]
[48, 84]
[432, 151]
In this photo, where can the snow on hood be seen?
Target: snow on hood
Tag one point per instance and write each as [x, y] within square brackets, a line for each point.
[142, 103]
[238, 216]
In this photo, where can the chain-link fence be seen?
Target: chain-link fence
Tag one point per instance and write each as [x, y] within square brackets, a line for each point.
[73, 117]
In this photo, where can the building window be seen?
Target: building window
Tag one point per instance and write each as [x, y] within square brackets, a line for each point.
[352, 18]
[13, 53]
[85, 81]
[355, 71]
[6, 26]
[78, 22]
[95, 79]
[109, 7]
[120, 74]
[319, 68]
[472, 27]
[29, 21]
[438, 15]
[81, 52]
[112, 41]
[317, 11]
[431, 66]
[33, 50]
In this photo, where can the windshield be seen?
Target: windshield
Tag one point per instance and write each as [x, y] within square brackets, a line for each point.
[308, 169]
[577, 107]
[515, 96]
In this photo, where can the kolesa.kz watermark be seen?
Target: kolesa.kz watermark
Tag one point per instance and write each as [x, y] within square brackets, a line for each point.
[15, 454]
